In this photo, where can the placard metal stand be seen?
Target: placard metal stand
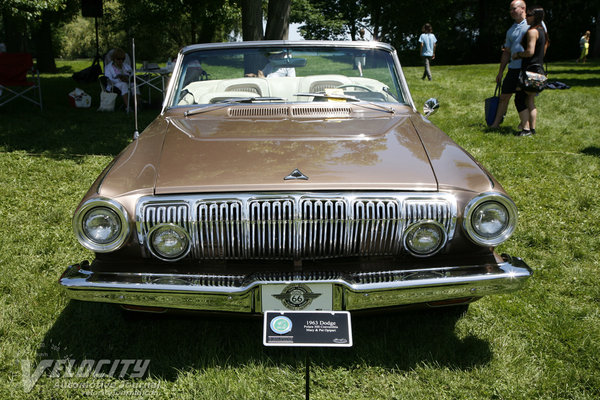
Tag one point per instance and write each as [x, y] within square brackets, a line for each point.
[307, 329]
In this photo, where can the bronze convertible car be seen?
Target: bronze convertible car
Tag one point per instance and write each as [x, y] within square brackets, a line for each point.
[292, 176]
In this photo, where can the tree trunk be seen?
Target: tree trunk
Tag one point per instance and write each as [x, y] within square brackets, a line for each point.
[43, 46]
[252, 20]
[252, 30]
[484, 40]
[375, 12]
[15, 31]
[278, 20]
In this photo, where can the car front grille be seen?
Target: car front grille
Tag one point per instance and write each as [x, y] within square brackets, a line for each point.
[295, 226]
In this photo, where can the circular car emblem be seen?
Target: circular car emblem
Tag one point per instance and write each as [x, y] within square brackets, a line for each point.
[296, 296]
[281, 325]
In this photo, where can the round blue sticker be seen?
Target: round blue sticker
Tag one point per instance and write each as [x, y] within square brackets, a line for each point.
[281, 325]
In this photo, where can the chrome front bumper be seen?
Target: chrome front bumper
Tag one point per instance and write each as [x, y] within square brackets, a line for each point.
[351, 291]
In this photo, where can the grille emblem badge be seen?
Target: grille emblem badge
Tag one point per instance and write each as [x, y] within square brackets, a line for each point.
[295, 175]
[296, 296]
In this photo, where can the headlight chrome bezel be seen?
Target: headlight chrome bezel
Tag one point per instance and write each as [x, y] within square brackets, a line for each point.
[504, 233]
[98, 203]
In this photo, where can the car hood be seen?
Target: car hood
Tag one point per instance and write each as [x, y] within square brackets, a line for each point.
[222, 155]
[212, 153]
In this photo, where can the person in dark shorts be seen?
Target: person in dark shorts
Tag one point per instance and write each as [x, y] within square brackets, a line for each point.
[512, 45]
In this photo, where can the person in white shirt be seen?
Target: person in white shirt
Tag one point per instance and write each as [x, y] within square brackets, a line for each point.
[584, 45]
[512, 45]
[270, 72]
[119, 73]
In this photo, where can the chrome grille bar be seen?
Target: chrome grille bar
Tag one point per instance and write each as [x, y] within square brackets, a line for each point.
[166, 213]
[323, 227]
[295, 226]
[271, 229]
[220, 232]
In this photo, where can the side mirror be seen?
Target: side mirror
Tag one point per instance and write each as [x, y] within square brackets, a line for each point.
[431, 106]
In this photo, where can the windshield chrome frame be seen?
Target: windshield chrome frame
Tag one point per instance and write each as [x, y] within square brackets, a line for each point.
[275, 43]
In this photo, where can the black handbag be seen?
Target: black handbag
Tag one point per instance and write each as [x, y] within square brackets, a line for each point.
[89, 74]
[531, 81]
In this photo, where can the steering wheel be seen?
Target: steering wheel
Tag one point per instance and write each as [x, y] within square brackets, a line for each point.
[356, 86]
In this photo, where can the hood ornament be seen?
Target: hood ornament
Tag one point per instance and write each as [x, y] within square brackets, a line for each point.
[296, 174]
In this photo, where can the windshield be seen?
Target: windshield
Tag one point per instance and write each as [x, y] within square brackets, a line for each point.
[286, 74]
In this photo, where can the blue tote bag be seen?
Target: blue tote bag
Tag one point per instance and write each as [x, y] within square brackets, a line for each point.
[491, 106]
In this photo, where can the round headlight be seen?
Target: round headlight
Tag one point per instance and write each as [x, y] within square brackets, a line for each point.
[101, 225]
[490, 219]
[169, 242]
[425, 238]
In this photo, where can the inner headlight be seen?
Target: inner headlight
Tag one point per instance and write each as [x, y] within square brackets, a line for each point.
[490, 219]
[169, 242]
[101, 225]
[425, 238]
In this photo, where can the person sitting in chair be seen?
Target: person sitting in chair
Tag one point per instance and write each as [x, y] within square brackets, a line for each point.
[119, 73]
[271, 70]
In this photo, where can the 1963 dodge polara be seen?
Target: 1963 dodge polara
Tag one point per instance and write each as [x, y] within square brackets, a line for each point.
[292, 176]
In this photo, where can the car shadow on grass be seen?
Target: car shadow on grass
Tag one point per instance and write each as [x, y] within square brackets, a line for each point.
[591, 151]
[397, 341]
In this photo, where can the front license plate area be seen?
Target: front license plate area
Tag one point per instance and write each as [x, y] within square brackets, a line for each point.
[297, 297]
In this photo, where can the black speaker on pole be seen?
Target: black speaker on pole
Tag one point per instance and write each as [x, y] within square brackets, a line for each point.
[91, 8]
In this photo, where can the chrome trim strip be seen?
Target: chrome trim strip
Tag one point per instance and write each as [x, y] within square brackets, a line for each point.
[288, 43]
[237, 292]
[295, 225]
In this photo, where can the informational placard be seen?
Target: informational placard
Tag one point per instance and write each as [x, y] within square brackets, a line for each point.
[307, 328]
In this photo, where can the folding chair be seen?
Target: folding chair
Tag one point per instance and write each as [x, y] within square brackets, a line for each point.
[13, 79]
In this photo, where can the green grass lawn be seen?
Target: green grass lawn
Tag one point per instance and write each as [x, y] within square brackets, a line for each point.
[540, 343]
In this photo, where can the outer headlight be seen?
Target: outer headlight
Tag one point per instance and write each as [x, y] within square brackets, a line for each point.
[101, 225]
[490, 219]
[425, 238]
[169, 242]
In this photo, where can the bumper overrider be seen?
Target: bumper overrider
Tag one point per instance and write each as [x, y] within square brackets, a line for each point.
[349, 291]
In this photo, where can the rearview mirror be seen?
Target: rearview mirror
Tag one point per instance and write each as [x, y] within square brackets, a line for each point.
[431, 106]
[288, 62]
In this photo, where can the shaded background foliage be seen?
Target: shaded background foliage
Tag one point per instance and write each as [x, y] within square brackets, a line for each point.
[468, 31]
